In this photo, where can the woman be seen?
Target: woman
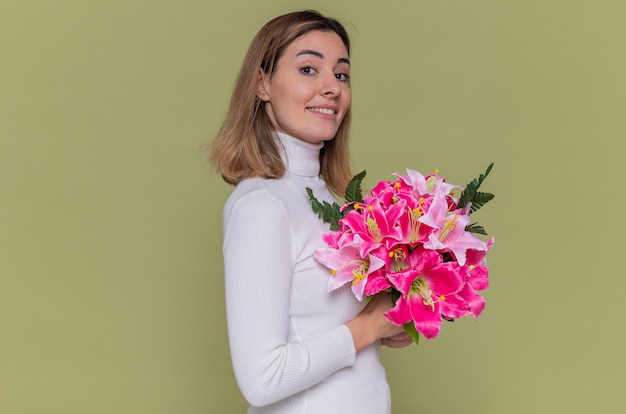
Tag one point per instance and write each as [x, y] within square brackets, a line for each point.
[296, 348]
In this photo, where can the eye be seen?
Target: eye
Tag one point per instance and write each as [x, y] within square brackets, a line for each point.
[344, 77]
[308, 70]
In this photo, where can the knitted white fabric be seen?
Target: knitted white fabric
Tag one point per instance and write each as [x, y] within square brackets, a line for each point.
[290, 348]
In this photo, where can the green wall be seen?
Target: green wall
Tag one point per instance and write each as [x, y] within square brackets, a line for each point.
[111, 286]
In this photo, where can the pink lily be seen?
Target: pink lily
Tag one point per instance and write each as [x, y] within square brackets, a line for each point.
[375, 225]
[384, 187]
[468, 300]
[477, 279]
[449, 230]
[376, 282]
[431, 184]
[332, 239]
[423, 287]
[347, 265]
[413, 232]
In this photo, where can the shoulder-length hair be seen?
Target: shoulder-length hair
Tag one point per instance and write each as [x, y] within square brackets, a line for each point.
[245, 145]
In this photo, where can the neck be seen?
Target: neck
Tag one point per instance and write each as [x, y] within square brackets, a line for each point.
[300, 157]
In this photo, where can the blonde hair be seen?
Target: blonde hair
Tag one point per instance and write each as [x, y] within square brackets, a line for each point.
[245, 145]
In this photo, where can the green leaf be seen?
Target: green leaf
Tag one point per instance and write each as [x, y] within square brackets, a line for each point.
[475, 228]
[353, 189]
[409, 327]
[471, 195]
[479, 200]
[329, 213]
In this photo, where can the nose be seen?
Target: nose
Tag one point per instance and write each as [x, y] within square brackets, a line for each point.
[330, 86]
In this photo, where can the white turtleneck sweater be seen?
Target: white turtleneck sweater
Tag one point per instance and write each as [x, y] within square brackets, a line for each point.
[291, 350]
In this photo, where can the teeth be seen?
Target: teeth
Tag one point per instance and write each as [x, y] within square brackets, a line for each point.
[323, 111]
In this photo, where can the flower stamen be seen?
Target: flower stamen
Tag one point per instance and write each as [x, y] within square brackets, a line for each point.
[420, 287]
[360, 272]
[414, 216]
[398, 260]
[374, 230]
[447, 228]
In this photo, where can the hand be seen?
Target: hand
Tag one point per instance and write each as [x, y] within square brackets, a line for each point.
[398, 340]
[371, 324]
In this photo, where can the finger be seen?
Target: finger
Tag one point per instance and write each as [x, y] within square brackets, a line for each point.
[395, 344]
[400, 336]
[401, 342]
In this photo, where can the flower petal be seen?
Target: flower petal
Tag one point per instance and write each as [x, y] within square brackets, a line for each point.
[445, 279]
[475, 301]
[376, 282]
[399, 314]
[427, 319]
[454, 306]
[403, 280]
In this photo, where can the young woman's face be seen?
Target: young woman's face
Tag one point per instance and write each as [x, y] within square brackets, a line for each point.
[308, 94]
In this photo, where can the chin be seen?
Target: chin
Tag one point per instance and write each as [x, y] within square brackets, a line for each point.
[325, 137]
[317, 139]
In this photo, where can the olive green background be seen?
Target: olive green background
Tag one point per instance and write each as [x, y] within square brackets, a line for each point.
[111, 285]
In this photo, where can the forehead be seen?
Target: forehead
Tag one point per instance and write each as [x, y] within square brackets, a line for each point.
[326, 42]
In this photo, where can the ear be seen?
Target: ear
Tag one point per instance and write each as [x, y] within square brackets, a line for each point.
[262, 86]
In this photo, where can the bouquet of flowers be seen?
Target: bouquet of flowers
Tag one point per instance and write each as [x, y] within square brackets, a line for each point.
[412, 237]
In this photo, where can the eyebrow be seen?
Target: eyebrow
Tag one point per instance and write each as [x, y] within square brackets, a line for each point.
[319, 55]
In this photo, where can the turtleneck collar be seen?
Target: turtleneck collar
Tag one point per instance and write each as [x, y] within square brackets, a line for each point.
[300, 157]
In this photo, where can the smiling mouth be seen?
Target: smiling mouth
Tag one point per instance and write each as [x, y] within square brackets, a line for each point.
[326, 111]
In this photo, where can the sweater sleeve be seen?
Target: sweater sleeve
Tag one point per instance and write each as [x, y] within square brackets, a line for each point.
[259, 263]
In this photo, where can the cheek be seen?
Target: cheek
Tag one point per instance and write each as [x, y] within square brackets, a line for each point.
[346, 97]
[303, 93]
